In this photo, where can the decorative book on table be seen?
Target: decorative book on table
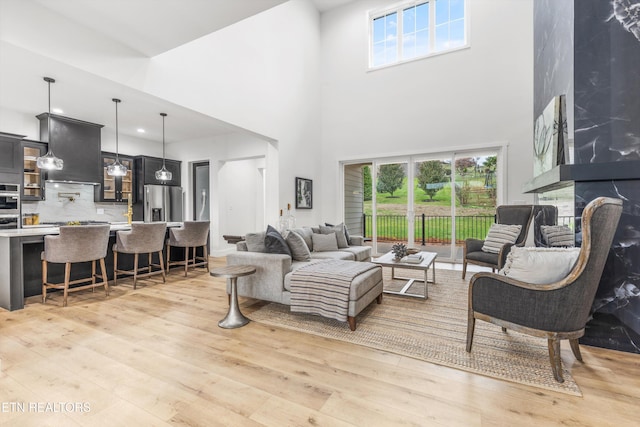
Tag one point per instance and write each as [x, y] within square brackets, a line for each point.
[412, 259]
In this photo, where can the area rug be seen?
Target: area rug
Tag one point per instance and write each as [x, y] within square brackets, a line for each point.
[434, 330]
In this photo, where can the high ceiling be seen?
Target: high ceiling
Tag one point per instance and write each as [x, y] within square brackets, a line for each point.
[33, 31]
[29, 29]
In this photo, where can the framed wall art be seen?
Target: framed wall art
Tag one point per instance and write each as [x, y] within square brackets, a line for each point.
[304, 193]
[550, 136]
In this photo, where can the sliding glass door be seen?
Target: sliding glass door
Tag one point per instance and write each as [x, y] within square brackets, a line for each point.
[391, 205]
[431, 202]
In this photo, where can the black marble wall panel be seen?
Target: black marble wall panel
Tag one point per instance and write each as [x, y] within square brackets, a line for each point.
[607, 80]
[616, 310]
[553, 54]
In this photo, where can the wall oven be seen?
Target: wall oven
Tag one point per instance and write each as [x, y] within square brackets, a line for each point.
[9, 206]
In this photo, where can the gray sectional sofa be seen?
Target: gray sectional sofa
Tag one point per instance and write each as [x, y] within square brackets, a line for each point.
[271, 282]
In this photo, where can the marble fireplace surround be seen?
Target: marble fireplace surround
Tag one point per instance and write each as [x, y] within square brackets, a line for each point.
[616, 309]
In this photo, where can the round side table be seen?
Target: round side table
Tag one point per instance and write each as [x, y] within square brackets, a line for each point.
[234, 318]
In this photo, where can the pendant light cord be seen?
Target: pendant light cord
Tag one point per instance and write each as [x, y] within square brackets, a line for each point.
[163, 153]
[49, 114]
[117, 101]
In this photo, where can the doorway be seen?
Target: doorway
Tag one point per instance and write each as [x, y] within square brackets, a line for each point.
[201, 195]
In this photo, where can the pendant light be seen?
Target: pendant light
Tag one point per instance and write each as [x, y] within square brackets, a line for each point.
[49, 161]
[163, 174]
[116, 168]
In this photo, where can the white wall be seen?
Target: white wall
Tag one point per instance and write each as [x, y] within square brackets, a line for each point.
[260, 74]
[469, 98]
[235, 160]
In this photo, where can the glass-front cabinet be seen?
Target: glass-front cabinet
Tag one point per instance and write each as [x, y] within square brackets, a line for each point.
[116, 188]
[33, 183]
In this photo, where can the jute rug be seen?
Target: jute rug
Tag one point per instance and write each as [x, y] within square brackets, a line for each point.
[434, 330]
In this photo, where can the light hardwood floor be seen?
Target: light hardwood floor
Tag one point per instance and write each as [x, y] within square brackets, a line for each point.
[155, 356]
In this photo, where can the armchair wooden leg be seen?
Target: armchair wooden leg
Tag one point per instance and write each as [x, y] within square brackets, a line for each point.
[504, 329]
[554, 358]
[206, 256]
[471, 325]
[168, 258]
[464, 269]
[575, 348]
[379, 299]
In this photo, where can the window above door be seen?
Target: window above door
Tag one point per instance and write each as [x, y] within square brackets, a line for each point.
[416, 29]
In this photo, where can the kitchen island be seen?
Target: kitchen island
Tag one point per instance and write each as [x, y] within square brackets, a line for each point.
[21, 268]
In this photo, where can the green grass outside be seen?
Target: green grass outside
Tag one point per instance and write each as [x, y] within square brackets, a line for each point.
[437, 229]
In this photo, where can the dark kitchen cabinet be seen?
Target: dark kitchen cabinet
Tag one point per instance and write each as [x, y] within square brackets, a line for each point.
[116, 188]
[146, 167]
[77, 143]
[33, 176]
[10, 158]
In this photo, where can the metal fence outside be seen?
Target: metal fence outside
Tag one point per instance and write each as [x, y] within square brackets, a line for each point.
[433, 229]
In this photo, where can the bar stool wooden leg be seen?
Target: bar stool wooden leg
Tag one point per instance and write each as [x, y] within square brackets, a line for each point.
[149, 262]
[103, 268]
[44, 281]
[135, 269]
[186, 261]
[164, 273]
[93, 275]
[115, 268]
[206, 256]
[67, 275]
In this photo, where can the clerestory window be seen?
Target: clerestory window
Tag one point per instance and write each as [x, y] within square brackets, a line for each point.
[416, 29]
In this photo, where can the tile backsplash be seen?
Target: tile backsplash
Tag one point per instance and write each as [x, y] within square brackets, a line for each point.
[74, 202]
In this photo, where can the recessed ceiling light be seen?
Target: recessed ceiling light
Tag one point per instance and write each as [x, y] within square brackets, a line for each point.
[57, 110]
[140, 130]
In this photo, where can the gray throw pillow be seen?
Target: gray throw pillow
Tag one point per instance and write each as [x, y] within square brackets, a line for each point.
[255, 241]
[339, 231]
[299, 249]
[275, 243]
[499, 235]
[324, 242]
[557, 236]
[306, 234]
[344, 228]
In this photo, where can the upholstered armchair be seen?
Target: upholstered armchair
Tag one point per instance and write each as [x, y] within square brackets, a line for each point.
[558, 310]
[505, 214]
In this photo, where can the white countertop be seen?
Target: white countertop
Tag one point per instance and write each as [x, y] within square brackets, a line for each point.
[41, 230]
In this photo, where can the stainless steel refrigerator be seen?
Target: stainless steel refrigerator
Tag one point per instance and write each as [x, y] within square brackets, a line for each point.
[162, 203]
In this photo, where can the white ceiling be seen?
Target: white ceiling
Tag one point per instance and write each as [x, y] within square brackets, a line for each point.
[145, 27]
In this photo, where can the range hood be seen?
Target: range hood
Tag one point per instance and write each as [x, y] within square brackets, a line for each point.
[78, 144]
[58, 181]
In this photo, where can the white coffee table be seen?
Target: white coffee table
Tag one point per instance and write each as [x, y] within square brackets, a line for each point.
[428, 259]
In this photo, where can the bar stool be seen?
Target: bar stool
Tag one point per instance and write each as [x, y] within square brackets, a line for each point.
[142, 238]
[192, 234]
[75, 244]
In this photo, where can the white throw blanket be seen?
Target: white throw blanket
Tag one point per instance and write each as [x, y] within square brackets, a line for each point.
[323, 288]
